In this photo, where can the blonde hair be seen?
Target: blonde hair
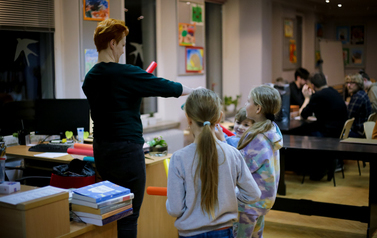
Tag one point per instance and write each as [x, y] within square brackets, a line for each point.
[356, 78]
[204, 105]
[269, 100]
[107, 30]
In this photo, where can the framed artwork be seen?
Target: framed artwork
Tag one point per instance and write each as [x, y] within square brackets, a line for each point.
[197, 14]
[319, 30]
[357, 35]
[288, 28]
[96, 10]
[343, 34]
[346, 54]
[194, 59]
[186, 34]
[91, 58]
[292, 52]
[356, 57]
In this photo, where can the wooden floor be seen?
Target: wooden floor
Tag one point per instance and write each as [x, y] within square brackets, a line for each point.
[352, 190]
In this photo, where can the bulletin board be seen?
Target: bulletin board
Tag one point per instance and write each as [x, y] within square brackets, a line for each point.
[185, 16]
[333, 66]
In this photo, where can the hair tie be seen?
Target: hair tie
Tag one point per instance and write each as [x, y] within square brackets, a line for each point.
[270, 117]
[206, 123]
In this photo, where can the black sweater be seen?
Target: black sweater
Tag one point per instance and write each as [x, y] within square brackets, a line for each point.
[114, 92]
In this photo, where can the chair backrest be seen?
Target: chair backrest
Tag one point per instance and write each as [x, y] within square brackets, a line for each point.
[346, 128]
[372, 117]
[368, 128]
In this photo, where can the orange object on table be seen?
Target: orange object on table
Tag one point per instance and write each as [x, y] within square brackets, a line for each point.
[83, 146]
[294, 108]
[159, 191]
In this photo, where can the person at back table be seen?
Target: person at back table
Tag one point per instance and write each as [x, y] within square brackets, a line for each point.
[301, 78]
[114, 92]
[359, 106]
[327, 105]
[371, 89]
[207, 178]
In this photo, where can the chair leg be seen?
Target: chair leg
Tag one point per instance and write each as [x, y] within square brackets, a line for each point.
[358, 165]
[364, 164]
[303, 178]
[333, 178]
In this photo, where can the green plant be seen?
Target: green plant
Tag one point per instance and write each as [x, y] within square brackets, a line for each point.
[229, 101]
[157, 142]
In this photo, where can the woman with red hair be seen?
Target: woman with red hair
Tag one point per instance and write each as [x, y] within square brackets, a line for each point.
[114, 92]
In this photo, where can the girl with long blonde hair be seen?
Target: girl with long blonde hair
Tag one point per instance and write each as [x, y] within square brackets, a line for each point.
[260, 146]
[204, 175]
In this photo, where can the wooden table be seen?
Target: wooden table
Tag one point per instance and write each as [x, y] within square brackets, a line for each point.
[329, 148]
[154, 221]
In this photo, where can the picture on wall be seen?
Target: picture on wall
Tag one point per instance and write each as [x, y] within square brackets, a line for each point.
[357, 56]
[288, 28]
[186, 34]
[194, 59]
[91, 58]
[96, 10]
[319, 30]
[346, 54]
[197, 14]
[357, 35]
[342, 34]
[292, 52]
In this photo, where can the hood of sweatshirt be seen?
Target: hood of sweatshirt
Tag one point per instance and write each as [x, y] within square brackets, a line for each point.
[274, 137]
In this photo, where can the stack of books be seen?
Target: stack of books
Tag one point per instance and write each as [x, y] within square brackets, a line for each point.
[102, 203]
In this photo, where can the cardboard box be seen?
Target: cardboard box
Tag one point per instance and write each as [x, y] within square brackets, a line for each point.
[43, 217]
[9, 187]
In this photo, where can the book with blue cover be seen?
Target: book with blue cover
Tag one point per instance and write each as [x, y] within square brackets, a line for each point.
[100, 192]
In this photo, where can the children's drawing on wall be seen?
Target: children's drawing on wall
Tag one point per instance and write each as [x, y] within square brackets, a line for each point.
[194, 59]
[357, 35]
[288, 28]
[292, 52]
[346, 53]
[186, 33]
[342, 34]
[96, 10]
[357, 56]
[91, 58]
[319, 30]
[197, 14]
[317, 55]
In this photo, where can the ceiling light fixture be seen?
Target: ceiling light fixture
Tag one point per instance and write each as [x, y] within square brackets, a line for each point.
[327, 1]
[339, 5]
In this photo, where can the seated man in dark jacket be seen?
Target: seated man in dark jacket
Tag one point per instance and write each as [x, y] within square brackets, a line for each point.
[327, 105]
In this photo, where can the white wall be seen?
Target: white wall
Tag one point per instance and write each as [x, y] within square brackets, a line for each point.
[246, 46]
[68, 45]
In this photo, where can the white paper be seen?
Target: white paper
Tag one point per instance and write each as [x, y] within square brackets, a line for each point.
[31, 195]
[51, 155]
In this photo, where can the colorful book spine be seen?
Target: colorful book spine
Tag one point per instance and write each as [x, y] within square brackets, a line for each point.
[100, 211]
[106, 215]
[104, 203]
[107, 220]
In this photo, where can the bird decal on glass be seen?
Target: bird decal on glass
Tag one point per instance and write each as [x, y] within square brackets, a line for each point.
[23, 46]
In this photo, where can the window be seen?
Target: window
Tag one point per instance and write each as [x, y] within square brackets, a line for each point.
[140, 18]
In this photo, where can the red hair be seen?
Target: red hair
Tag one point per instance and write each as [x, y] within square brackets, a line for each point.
[107, 30]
